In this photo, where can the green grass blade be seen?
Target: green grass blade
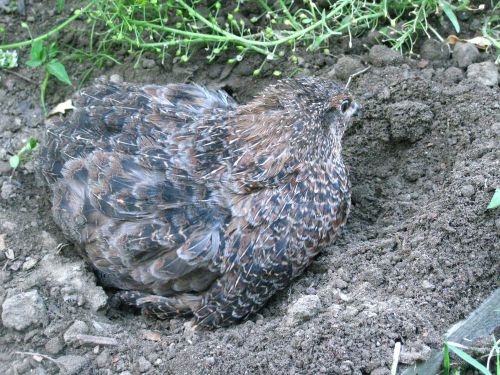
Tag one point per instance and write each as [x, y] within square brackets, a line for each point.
[446, 360]
[495, 200]
[467, 358]
[60, 6]
[448, 10]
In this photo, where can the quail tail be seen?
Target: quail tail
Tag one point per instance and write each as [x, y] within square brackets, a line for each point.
[158, 306]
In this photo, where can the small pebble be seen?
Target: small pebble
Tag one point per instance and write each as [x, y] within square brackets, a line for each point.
[347, 66]
[23, 310]
[381, 371]
[448, 282]
[16, 265]
[453, 74]
[381, 56]
[209, 360]
[143, 364]
[413, 354]
[72, 364]
[427, 285]
[434, 50]
[412, 172]
[384, 93]
[345, 297]
[77, 328]
[339, 283]
[29, 263]
[305, 308]
[148, 63]
[465, 54]
[103, 359]
[54, 345]
[7, 190]
[468, 191]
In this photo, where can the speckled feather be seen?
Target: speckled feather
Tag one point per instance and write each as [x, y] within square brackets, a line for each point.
[192, 204]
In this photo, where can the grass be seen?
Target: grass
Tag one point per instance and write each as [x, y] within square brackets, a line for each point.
[274, 29]
[491, 30]
[469, 362]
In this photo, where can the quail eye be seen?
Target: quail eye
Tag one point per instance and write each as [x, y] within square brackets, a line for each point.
[344, 106]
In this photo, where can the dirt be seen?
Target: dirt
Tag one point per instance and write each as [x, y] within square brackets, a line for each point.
[419, 252]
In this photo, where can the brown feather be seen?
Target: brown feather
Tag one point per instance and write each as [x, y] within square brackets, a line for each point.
[192, 204]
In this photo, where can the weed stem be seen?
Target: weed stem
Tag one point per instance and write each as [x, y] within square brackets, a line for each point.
[61, 26]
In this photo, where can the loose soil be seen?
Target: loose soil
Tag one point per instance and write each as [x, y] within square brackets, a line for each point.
[419, 252]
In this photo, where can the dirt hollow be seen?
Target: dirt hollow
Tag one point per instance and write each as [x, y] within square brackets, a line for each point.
[419, 252]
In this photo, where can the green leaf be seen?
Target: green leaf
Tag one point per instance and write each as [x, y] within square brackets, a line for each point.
[467, 358]
[37, 50]
[14, 161]
[37, 54]
[495, 200]
[28, 147]
[55, 68]
[32, 143]
[448, 10]
[446, 360]
[33, 64]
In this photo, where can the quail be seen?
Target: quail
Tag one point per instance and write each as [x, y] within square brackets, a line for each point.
[190, 204]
